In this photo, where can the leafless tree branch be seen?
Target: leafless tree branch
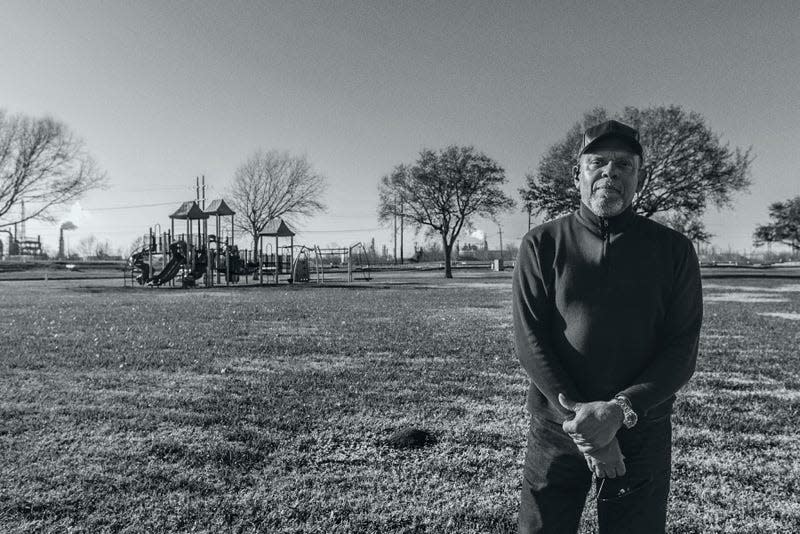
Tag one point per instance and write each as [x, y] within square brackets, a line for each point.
[272, 185]
[42, 164]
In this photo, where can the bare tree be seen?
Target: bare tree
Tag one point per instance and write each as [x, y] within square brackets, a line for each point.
[43, 165]
[92, 248]
[87, 246]
[272, 185]
[442, 191]
[105, 250]
[137, 245]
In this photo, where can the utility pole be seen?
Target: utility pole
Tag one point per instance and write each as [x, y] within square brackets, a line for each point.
[500, 229]
[200, 190]
[395, 231]
[402, 220]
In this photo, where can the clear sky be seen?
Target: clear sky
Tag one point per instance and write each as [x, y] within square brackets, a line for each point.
[163, 92]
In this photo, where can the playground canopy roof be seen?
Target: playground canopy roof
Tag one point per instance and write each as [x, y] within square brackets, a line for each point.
[277, 228]
[219, 207]
[189, 210]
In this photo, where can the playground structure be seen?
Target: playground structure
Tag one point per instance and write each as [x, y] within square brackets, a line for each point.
[196, 256]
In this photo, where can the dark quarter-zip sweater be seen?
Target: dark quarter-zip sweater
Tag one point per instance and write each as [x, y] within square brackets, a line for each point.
[606, 306]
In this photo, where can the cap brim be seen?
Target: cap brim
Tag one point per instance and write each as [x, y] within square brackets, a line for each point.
[613, 141]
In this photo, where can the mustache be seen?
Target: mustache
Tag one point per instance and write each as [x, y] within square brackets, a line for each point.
[606, 184]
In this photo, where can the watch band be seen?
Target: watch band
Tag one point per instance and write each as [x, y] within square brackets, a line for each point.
[629, 417]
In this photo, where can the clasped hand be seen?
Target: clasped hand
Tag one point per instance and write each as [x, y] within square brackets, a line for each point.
[593, 429]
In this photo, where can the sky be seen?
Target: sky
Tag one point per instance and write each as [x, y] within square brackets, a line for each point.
[163, 92]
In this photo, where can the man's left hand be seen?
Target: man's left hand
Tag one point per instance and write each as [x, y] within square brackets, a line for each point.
[595, 423]
[607, 462]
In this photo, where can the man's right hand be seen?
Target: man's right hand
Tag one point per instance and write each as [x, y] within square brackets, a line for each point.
[606, 462]
[594, 423]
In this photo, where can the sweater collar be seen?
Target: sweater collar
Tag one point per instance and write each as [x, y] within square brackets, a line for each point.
[614, 225]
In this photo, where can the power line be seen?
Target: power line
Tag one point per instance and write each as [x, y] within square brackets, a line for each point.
[350, 216]
[338, 231]
[151, 189]
[135, 206]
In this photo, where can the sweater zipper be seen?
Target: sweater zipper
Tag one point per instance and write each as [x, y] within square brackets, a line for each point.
[605, 235]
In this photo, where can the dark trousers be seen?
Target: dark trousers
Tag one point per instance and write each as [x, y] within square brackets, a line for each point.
[556, 481]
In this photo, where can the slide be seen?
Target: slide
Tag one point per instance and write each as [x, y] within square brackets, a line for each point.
[173, 266]
[168, 272]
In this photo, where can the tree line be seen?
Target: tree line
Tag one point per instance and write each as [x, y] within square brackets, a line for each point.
[687, 169]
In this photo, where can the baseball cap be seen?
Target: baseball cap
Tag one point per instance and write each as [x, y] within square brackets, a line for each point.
[614, 131]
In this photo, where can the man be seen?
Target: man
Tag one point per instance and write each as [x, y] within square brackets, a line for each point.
[607, 310]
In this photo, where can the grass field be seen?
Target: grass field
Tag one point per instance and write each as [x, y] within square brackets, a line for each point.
[267, 409]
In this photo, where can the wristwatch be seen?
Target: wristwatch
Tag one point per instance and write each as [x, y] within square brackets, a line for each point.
[629, 417]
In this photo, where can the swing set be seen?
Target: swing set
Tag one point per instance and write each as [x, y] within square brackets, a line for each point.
[299, 263]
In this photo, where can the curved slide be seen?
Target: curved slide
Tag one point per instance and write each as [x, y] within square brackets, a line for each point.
[168, 272]
[172, 267]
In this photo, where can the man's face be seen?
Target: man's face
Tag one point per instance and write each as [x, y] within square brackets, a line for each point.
[608, 179]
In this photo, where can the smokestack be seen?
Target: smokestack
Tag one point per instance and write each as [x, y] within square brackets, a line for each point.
[66, 226]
